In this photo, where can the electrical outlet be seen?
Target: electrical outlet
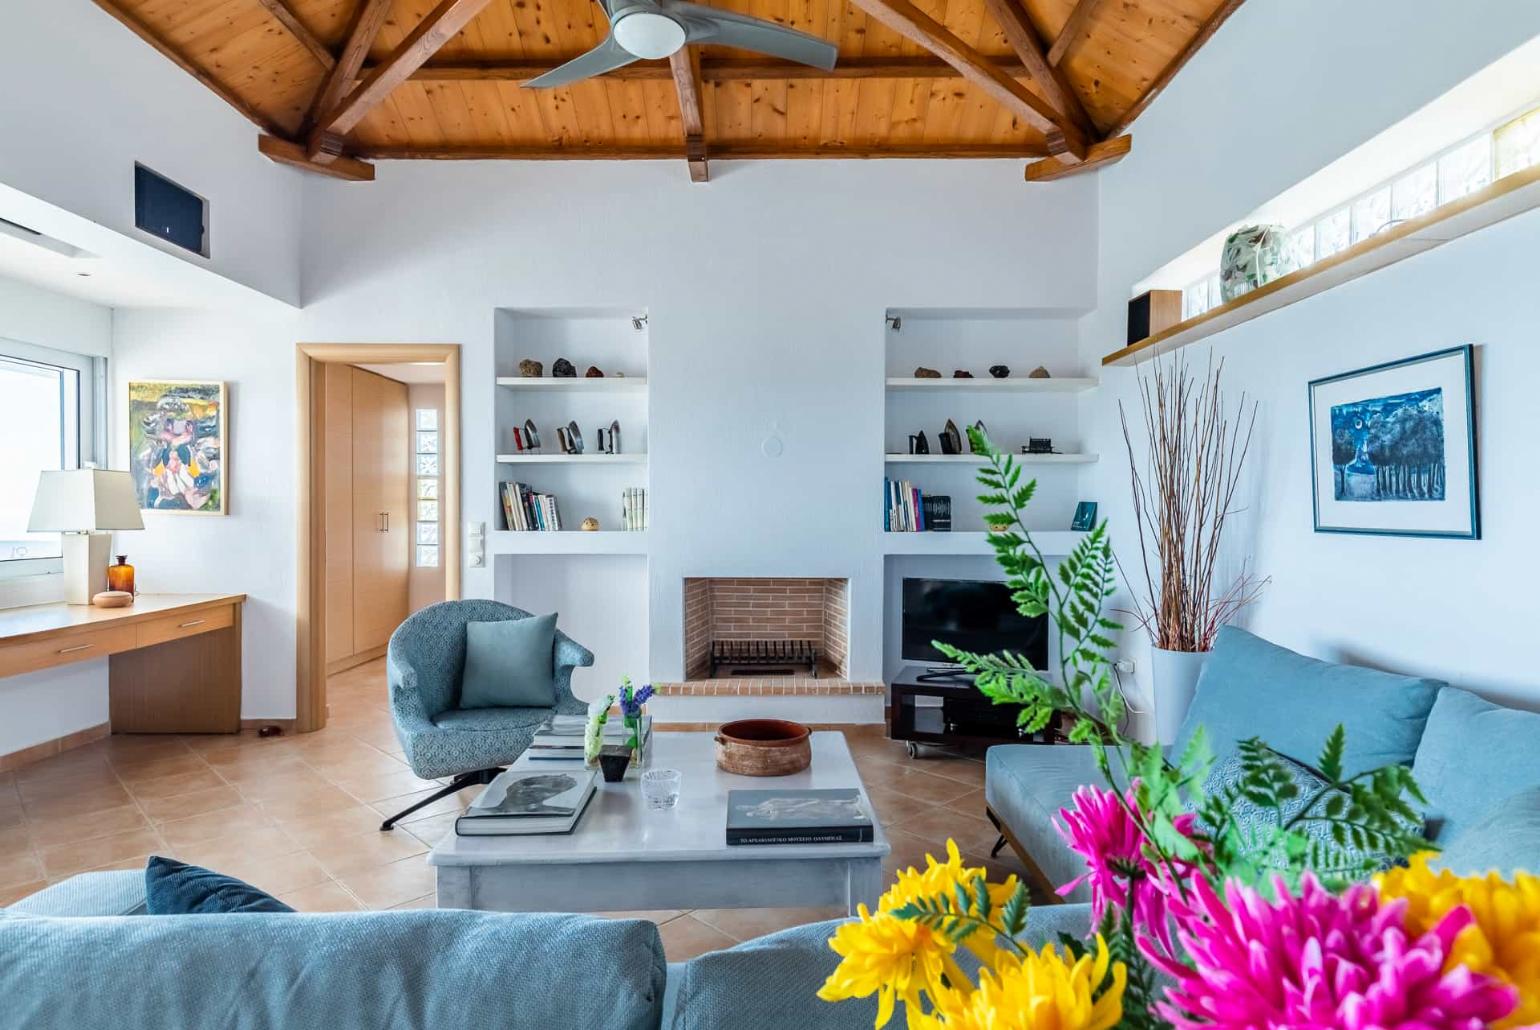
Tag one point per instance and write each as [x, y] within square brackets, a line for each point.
[475, 544]
[1124, 666]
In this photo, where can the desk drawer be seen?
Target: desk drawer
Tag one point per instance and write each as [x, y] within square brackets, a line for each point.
[61, 650]
[187, 624]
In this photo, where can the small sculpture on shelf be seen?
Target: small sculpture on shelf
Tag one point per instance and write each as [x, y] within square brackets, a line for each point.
[951, 439]
[926, 373]
[962, 373]
[564, 369]
[1038, 445]
[529, 368]
[1000, 371]
[609, 440]
[594, 372]
[527, 438]
[570, 438]
[590, 525]
[1039, 373]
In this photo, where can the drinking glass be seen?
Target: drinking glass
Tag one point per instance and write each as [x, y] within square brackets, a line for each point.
[660, 787]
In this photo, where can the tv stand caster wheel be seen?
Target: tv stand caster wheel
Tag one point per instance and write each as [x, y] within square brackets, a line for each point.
[912, 748]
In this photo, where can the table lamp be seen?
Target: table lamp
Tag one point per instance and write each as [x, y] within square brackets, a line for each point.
[85, 505]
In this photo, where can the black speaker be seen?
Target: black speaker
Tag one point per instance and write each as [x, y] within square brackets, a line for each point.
[1153, 311]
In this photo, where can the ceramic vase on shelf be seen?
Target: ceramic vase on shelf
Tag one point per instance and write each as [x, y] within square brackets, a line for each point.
[635, 738]
[1254, 255]
[1174, 679]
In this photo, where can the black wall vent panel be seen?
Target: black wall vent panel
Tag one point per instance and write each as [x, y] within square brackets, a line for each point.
[170, 212]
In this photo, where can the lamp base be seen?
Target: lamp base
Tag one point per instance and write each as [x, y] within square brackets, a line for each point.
[86, 556]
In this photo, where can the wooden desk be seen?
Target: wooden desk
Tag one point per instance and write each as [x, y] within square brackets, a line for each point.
[174, 660]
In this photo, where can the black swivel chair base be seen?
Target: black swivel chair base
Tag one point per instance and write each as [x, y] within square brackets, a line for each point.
[473, 779]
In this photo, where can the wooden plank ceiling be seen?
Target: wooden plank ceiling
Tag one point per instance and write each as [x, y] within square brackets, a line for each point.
[333, 83]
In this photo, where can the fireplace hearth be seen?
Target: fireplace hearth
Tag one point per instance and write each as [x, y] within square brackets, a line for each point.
[781, 628]
[763, 657]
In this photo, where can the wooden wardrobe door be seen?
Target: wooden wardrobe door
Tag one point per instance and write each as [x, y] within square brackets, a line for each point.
[381, 519]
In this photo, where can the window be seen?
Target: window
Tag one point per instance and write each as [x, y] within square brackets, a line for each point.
[50, 399]
[426, 452]
[1468, 166]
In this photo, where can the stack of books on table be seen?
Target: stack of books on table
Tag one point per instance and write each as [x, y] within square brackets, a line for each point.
[837, 816]
[560, 738]
[521, 802]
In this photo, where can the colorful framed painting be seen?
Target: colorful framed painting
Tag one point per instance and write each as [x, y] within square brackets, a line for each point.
[176, 446]
[1393, 448]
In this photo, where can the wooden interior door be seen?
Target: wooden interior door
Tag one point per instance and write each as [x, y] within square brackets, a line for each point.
[382, 524]
[337, 476]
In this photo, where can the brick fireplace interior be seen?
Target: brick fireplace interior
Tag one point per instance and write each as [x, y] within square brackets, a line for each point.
[771, 618]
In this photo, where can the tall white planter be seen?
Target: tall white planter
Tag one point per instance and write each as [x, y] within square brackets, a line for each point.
[1174, 678]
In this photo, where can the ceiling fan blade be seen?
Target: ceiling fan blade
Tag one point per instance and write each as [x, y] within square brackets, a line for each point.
[605, 57]
[727, 28]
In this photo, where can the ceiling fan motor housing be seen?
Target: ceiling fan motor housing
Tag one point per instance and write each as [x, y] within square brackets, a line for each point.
[648, 34]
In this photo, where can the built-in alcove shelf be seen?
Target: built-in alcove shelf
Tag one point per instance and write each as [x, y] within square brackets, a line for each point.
[1051, 542]
[535, 458]
[1068, 384]
[573, 383]
[567, 542]
[978, 459]
[1511, 195]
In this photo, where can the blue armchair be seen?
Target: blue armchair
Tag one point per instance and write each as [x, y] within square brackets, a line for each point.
[424, 664]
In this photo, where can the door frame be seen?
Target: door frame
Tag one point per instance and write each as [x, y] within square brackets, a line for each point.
[310, 567]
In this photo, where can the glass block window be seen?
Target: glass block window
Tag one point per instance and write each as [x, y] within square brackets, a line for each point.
[426, 457]
[1518, 144]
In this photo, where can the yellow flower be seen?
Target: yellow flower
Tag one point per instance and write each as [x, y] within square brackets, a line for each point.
[1040, 991]
[893, 958]
[1504, 940]
[940, 880]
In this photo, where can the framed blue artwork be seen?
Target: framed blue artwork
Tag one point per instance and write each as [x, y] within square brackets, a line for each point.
[1393, 448]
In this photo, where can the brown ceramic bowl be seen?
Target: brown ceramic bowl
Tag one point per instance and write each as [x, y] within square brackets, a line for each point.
[763, 747]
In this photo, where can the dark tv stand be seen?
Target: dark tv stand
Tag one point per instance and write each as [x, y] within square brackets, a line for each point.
[952, 712]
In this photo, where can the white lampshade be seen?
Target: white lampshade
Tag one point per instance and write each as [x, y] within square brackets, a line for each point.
[84, 501]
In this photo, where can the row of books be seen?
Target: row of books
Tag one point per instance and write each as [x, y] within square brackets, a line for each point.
[527, 510]
[560, 738]
[633, 509]
[907, 509]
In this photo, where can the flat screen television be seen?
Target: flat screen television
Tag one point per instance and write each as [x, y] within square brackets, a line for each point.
[974, 615]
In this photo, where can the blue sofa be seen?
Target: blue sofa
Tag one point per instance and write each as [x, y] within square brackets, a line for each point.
[1470, 757]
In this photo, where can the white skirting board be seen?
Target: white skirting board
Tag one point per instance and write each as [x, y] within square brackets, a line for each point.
[858, 709]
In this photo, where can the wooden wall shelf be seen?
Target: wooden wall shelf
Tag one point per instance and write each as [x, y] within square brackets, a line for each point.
[1065, 384]
[1511, 195]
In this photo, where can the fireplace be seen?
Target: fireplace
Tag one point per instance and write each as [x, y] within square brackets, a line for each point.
[758, 627]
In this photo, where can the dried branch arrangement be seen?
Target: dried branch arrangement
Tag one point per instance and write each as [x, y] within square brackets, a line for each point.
[1184, 491]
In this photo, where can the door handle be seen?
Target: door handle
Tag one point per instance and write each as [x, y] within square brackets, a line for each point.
[386, 516]
[194, 622]
[77, 647]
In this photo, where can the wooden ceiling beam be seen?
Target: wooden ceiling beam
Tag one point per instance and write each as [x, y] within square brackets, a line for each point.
[368, 18]
[1022, 36]
[437, 27]
[754, 150]
[1100, 155]
[728, 69]
[684, 64]
[1074, 27]
[915, 25]
[339, 167]
[286, 17]
[1178, 62]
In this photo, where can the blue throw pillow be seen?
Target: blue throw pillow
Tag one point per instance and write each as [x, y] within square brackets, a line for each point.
[1473, 753]
[509, 664]
[1251, 688]
[173, 888]
[1505, 840]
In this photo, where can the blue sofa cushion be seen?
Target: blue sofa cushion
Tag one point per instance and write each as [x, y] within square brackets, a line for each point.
[1504, 839]
[508, 663]
[1251, 688]
[438, 969]
[116, 893]
[1473, 753]
[173, 888]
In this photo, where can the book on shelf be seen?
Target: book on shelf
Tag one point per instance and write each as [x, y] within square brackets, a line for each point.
[908, 509]
[521, 802]
[526, 510]
[837, 816]
[558, 741]
[633, 509]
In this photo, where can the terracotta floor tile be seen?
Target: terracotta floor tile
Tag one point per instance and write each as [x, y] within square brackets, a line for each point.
[175, 784]
[320, 827]
[652, 915]
[323, 897]
[452, 805]
[316, 801]
[15, 839]
[963, 770]
[893, 807]
[277, 874]
[973, 834]
[221, 823]
[180, 806]
[135, 770]
[744, 924]
[19, 868]
[67, 859]
[430, 830]
[936, 790]
[253, 842]
[426, 901]
[11, 895]
[67, 829]
[239, 765]
[686, 937]
[136, 862]
[380, 786]
[365, 851]
[391, 884]
[76, 785]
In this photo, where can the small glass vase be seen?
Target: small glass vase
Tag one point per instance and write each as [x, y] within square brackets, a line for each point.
[635, 738]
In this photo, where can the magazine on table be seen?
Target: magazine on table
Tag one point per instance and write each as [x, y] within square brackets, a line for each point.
[523, 801]
[832, 816]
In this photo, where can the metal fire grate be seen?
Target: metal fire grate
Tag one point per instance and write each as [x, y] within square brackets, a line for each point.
[758, 654]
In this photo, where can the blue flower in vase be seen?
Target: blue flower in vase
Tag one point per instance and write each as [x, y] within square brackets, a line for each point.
[632, 699]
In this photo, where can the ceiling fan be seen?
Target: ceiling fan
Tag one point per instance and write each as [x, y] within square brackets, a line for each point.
[653, 29]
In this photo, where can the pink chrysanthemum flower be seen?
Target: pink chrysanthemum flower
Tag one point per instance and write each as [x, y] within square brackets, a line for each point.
[1104, 833]
[1314, 959]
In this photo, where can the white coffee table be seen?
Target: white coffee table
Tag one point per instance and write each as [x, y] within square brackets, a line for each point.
[625, 856]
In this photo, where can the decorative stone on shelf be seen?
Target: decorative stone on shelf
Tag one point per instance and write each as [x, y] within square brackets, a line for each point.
[590, 525]
[962, 373]
[1000, 371]
[594, 372]
[926, 373]
[564, 369]
[529, 368]
[1039, 373]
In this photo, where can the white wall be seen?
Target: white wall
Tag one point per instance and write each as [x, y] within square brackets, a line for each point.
[86, 98]
[1222, 140]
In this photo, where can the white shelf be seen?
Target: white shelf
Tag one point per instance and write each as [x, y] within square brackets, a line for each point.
[528, 458]
[504, 541]
[1022, 384]
[978, 459]
[573, 383]
[1051, 542]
